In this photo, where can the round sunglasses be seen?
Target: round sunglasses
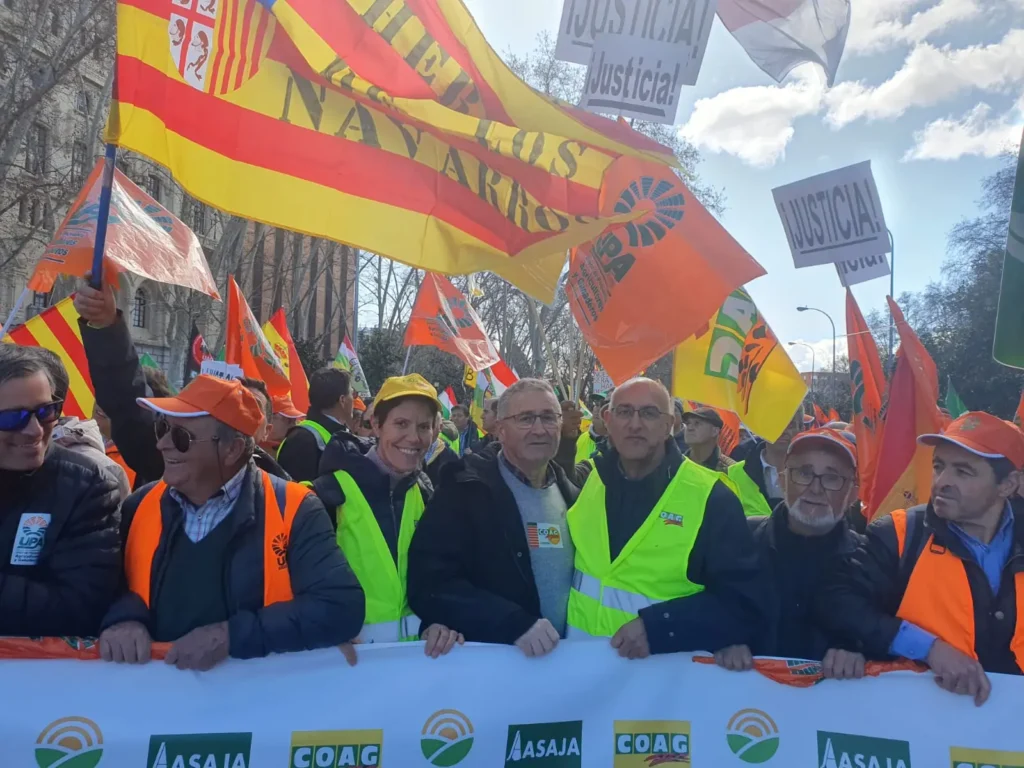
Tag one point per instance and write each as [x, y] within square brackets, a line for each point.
[16, 419]
[181, 438]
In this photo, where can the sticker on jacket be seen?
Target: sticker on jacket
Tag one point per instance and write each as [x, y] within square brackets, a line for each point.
[543, 536]
[28, 542]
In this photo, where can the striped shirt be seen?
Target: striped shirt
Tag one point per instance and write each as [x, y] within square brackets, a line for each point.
[200, 520]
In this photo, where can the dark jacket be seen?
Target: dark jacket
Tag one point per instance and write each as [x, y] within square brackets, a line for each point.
[750, 453]
[118, 380]
[733, 609]
[469, 564]
[434, 469]
[862, 594]
[577, 473]
[795, 566]
[343, 444]
[328, 608]
[716, 462]
[471, 440]
[76, 572]
[301, 450]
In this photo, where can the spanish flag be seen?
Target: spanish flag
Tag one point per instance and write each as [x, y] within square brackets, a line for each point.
[280, 338]
[57, 330]
[390, 125]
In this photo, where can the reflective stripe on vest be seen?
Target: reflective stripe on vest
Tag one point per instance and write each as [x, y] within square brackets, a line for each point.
[938, 597]
[320, 434]
[147, 529]
[651, 568]
[750, 496]
[585, 447]
[388, 617]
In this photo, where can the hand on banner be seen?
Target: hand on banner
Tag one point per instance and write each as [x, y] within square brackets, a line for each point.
[348, 650]
[631, 640]
[201, 649]
[842, 665]
[126, 643]
[96, 307]
[735, 658]
[958, 673]
[539, 640]
[439, 640]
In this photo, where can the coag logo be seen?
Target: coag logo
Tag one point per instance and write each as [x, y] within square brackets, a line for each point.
[447, 738]
[753, 736]
[839, 750]
[336, 749]
[649, 743]
[670, 518]
[71, 742]
[962, 757]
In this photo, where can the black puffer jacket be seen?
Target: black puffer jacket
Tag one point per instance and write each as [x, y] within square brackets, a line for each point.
[328, 607]
[76, 572]
[301, 451]
[342, 446]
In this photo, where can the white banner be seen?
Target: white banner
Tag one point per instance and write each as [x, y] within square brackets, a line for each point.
[861, 270]
[833, 216]
[488, 707]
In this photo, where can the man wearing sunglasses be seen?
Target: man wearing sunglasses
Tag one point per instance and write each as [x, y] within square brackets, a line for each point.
[60, 552]
[222, 558]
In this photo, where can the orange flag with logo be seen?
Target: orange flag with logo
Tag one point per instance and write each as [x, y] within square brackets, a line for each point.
[247, 346]
[280, 338]
[868, 384]
[729, 437]
[442, 318]
[904, 469]
[820, 419]
[644, 287]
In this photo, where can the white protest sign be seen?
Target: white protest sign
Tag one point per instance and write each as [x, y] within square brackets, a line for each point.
[221, 370]
[602, 381]
[833, 216]
[855, 271]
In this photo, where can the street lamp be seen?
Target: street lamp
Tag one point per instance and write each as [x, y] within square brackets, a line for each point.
[804, 344]
[835, 400]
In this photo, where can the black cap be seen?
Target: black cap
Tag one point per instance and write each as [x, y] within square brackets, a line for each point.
[710, 415]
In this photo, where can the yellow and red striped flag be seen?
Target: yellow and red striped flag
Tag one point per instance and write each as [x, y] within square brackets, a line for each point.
[57, 330]
[280, 338]
[434, 154]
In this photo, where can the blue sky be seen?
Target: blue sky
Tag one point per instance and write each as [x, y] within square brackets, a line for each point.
[931, 91]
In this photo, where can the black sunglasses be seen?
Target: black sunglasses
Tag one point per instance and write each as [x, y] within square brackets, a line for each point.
[17, 419]
[181, 438]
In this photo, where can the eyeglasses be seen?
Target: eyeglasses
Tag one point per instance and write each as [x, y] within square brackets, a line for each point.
[17, 419]
[524, 421]
[181, 438]
[648, 414]
[830, 481]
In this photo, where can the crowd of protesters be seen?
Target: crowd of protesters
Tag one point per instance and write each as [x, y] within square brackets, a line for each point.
[227, 523]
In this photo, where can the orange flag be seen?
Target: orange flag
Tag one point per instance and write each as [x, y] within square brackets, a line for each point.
[644, 287]
[729, 437]
[833, 415]
[1020, 412]
[820, 419]
[442, 318]
[868, 384]
[248, 348]
[904, 470]
[280, 338]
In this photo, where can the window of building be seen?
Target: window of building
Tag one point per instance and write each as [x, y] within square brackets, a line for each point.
[139, 309]
[55, 22]
[79, 159]
[40, 300]
[37, 146]
[196, 216]
[24, 209]
[122, 166]
[31, 211]
[160, 355]
[154, 186]
[83, 103]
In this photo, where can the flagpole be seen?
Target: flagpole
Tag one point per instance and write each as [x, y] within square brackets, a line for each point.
[14, 312]
[892, 292]
[405, 366]
[103, 216]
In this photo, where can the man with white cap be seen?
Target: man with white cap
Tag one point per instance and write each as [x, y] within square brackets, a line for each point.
[222, 558]
[800, 539]
[943, 583]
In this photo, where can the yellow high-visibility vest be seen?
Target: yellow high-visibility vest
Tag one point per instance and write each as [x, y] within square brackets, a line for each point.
[585, 447]
[750, 496]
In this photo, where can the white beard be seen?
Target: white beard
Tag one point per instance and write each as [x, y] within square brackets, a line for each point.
[811, 520]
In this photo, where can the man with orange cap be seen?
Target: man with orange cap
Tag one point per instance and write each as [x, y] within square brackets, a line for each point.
[943, 583]
[222, 558]
[286, 416]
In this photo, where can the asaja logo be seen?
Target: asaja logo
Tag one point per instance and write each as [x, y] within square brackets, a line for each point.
[336, 749]
[962, 757]
[753, 736]
[845, 750]
[71, 742]
[200, 750]
[447, 738]
[551, 745]
[648, 743]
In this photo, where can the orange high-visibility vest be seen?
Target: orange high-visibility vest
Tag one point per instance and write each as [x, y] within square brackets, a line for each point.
[115, 455]
[147, 528]
[938, 597]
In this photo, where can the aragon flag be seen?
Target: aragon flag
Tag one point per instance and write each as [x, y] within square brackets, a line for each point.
[391, 126]
[248, 348]
[280, 338]
[868, 384]
[443, 318]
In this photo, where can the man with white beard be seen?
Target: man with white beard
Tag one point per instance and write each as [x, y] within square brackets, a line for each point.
[798, 542]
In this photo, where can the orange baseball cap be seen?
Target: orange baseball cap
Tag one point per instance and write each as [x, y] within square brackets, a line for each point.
[229, 402]
[983, 435]
[283, 406]
[824, 435]
[358, 404]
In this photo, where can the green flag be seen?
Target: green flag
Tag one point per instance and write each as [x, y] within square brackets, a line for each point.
[954, 404]
[1008, 346]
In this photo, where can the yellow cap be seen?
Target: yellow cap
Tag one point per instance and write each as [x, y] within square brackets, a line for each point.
[404, 386]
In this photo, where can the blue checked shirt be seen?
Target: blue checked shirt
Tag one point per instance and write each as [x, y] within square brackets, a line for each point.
[200, 520]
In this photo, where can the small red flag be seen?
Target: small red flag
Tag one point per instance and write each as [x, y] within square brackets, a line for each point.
[280, 339]
[247, 346]
[442, 318]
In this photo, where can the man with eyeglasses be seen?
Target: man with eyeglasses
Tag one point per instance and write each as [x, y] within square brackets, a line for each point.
[798, 542]
[222, 558]
[492, 557]
[60, 552]
[664, 561]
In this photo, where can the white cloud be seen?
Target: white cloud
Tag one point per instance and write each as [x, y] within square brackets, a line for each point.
[755, 123]
[929, 76]
[822, 356]
[975, 133]
[879, 25]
